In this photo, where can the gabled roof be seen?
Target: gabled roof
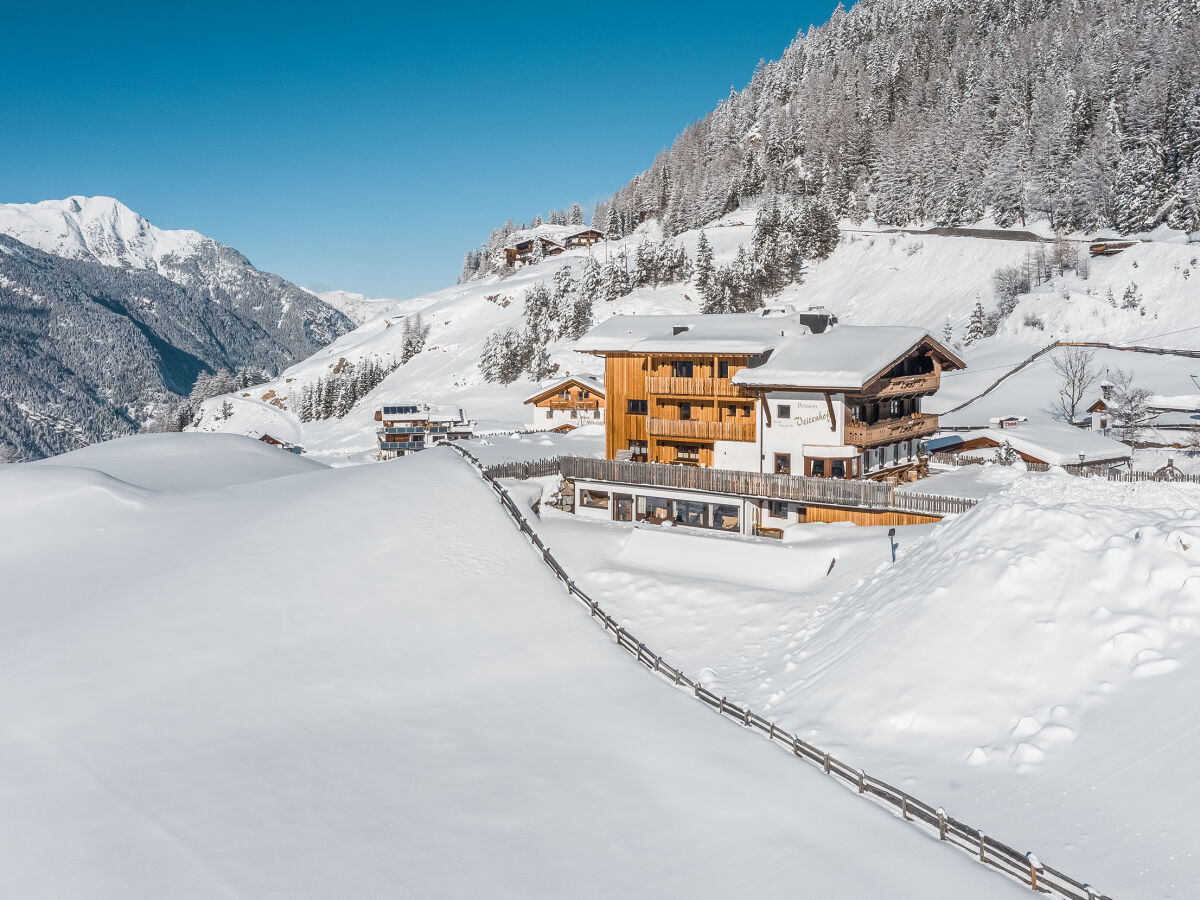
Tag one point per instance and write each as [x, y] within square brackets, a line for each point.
[593, 383]
[844, 358]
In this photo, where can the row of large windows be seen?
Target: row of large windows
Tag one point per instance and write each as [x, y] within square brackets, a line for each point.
[691, 513]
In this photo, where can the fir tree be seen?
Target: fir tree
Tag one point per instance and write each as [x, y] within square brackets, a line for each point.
[977, 324]
[704, 263]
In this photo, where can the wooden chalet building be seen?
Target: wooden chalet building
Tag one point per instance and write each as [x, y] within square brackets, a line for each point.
[410, 427]
[555, 239]
[567, 403]
[773, 392]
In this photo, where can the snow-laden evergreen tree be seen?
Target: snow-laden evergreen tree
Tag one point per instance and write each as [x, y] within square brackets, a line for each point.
[575, 216]
[412, 339]
[947, 333]
[563, 298]
[704, 263]
[540, 314]
[591, 281]
[616, 280]
[977, 324]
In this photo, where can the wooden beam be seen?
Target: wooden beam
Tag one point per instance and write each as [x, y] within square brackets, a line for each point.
[832, 417]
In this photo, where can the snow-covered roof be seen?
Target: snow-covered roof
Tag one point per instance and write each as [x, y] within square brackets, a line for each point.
[845, 357]
[423, 412]
[556, 233]
[591, 382]
[1054, 443]
[1174, 403]
[749, 333]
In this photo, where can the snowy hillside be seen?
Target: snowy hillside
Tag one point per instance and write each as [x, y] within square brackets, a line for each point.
[1030, 664]
[267, 718]
[873, 277]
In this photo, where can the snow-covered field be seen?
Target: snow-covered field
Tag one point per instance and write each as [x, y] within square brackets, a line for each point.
[231, 672]
[873, 278]
[1031, 665]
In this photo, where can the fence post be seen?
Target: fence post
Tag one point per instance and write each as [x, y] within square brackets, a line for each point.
[1034, 865]
[941, 814]
[826, 762]
[904, 807]
[982, 847]
[721, 708]
[746, 719]
[862, 781]
[1091, 892]
[796, 746]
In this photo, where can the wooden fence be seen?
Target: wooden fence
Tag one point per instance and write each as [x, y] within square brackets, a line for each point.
[842, 493]
[954, 459]
[1023, 867]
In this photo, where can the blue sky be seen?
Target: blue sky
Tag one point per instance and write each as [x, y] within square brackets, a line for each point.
[363, 147]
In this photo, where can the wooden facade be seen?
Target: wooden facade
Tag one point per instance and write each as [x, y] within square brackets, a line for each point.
[672, 408]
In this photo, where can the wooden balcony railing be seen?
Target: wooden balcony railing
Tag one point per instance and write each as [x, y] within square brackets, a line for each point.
[887, 431]
[735, 430]
[692, 387]
[907, 386]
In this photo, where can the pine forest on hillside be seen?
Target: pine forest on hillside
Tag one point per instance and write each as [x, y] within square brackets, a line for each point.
[1082, 113]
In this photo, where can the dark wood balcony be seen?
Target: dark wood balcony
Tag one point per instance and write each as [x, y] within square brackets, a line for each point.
[889, 431]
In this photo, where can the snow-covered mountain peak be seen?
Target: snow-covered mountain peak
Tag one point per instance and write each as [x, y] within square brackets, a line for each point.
[98, 228]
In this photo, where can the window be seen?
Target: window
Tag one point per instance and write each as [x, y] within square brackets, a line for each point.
[549, 414]
[563, 395]
[725, 517]
[682, 368]
[593, 499]
[690, 512]
[895, 408]
[818, 468]
[777, 509]
[723, 370]
[685, 411]
[747, 410]
[639, 449]
[785, 411]
[837, 468]
[859, 414]
[585, 394]
[623, 507]
[783, 464]
[637, 407]
[690, 454]
[574, 414]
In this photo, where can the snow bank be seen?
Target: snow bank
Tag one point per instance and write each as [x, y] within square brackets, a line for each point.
[185, 462]
[715, 557]
[231, 694]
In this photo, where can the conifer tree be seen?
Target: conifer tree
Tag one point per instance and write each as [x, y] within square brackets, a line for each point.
[976, 325]
[704, 263]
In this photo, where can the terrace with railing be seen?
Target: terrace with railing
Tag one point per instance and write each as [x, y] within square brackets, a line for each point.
[691, 387]
[701, 430]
